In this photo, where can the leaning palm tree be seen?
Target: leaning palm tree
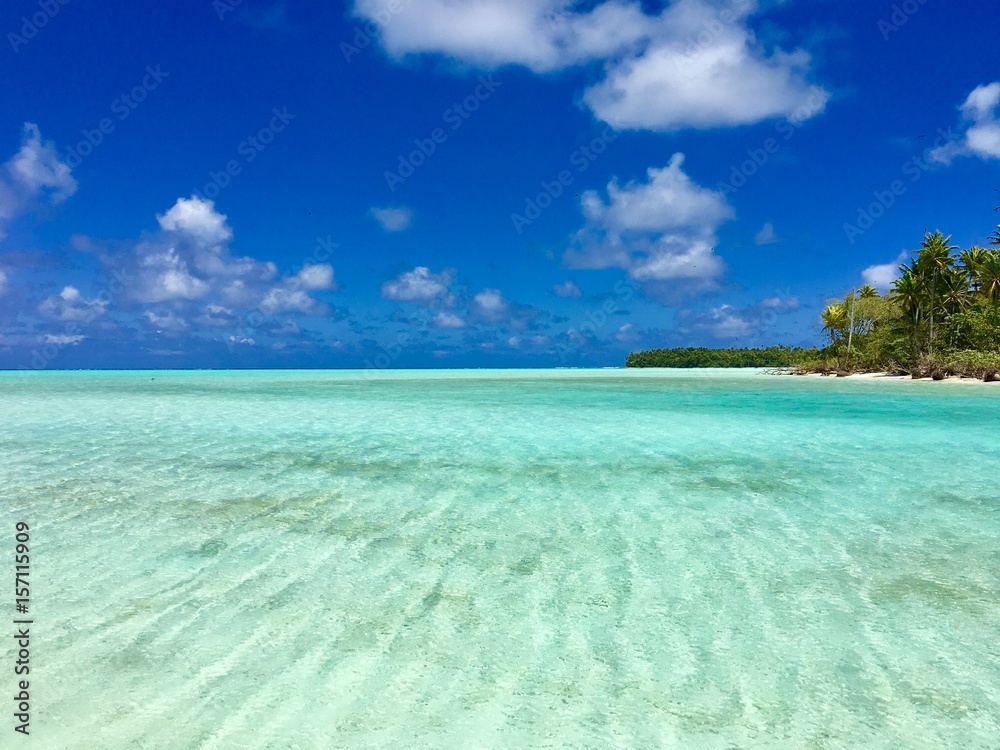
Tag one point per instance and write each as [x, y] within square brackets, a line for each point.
[995, 237]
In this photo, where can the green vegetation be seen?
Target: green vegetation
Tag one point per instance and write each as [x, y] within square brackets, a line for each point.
[941, 317]
[772, 356]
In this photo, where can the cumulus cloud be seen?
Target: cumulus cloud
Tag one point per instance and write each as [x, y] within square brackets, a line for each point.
[34, 175]
[698, 71]
[393, 219]
[448, 320]
[538, 34]
[185, 275]
[421, 287]
[981, 121]
[724, 322]
[662, 231]
[728, 322]
[197, 220]
[316, 277]
[490, 305]
[567, 289]
[882, 276]
[695, 64]
[165, 321]
[71, 306]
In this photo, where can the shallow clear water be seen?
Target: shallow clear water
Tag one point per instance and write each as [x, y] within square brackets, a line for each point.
[510, 559]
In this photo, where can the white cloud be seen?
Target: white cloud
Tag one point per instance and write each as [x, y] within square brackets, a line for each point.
[71, 306]
[34, 174]
[567, 289]
[538, 34]
[780, 303]
[625, 333]
[196, 219]
[393, 219]
[490, 304]
[165, 321]
[3, 282]
[62, 339]
[421, 287]
[288, 298]
[316, 277]
[165, 275]
[698, 71]
[661, 230]
[882, 276]
[187, 265]
[748, 323]
[725, 322]
[448, 320]
[981, 119]
[695, 64]
[766, 236]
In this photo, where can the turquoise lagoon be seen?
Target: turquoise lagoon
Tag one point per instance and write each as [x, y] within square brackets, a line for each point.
[504, 559]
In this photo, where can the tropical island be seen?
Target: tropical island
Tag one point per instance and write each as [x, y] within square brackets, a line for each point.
[940, 318]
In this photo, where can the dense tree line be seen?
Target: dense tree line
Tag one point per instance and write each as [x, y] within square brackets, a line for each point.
[772, 356]
[941, 317]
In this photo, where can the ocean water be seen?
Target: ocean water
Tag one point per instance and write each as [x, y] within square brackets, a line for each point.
[504, 559]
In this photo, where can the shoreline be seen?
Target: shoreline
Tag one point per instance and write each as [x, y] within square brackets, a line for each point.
[890, 377]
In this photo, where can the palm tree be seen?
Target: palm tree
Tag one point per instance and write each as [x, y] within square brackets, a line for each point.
[933, 259]
[834, 319]
[995, 237]
[867, 292]
[971, 260]
[955, 291]
[989, 276]
[908, 290]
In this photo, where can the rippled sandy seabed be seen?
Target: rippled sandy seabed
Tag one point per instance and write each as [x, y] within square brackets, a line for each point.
[505, 559]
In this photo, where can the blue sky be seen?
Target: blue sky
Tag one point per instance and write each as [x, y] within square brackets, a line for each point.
[505, 183]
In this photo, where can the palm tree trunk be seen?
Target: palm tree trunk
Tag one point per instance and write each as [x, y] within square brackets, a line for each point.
[850, 333]
[930, 344]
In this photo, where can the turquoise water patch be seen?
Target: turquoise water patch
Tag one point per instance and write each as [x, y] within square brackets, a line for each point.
[561, 558]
